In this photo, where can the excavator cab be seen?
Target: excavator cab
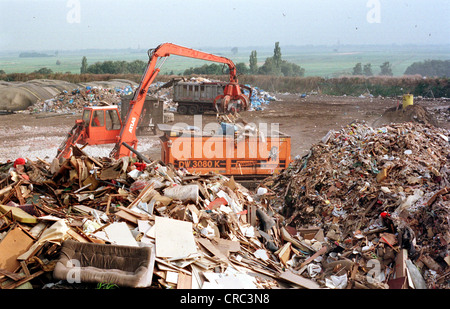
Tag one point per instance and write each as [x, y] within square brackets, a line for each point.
[98, 125]
[102, 125]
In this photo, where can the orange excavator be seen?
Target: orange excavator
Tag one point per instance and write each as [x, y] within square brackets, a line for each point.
[103, 124]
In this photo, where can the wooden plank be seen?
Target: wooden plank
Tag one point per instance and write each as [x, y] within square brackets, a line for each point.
[14, 244]
[11, 275]
[226, 246]
[400, 264]
[126, 216]
[25, 269]
[131, 216]
[19, 214]
[284, 253]
[184, 281]
[315, 256]
[7, 188]
[298, 280]
[251, 214]
[25, 280]
[77, 236]
[145, 195]
[19, 194]
[170, 266]
[208, 245]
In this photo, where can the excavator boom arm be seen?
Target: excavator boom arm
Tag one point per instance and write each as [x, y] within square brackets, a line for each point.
[128, 131]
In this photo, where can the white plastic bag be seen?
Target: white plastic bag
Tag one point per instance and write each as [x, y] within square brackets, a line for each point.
[183, 193]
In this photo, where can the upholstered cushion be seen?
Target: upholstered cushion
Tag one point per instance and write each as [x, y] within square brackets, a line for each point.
[102, 263]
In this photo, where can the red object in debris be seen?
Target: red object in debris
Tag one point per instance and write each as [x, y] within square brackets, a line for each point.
[217, 203]
[140, 166]
[385, 215]
[19, 161]
[138, 185]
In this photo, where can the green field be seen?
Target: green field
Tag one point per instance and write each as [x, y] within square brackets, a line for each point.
[323, 61]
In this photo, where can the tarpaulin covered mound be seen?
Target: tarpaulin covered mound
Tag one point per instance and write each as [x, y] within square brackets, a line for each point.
[15, 96]
[360, 180]
[52, 95]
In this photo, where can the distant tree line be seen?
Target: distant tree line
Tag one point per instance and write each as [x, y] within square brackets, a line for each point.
[366, 70]
[113, 67]
[432, 68]
[44, 71]
[33, 55]
[274, 65]
[207, 69]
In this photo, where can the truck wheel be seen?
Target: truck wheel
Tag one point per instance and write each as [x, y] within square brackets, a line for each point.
[182, 109]
[192, 110]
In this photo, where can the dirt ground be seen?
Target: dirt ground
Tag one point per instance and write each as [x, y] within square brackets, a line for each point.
[306, 120]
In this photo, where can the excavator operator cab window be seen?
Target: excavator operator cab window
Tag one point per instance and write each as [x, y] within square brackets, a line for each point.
[86, 116]
[97, 119]
[112, 120]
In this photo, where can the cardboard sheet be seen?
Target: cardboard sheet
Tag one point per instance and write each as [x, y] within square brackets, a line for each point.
[174, 238]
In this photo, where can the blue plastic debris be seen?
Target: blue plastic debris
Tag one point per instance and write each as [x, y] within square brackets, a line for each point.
[227, 128]
[259, 98]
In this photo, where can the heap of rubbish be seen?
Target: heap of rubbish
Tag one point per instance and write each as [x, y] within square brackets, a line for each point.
[259, 98]
[365, 209]
[95, 93]
[380, 198]
[74, 101]
[85, 221]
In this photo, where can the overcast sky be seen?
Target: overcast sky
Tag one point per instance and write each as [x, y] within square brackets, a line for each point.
[81, 24]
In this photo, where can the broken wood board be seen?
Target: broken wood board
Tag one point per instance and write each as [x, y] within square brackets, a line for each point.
[15, 243]
[226, 246]
[298, 280]
[130, 215]
[208, 245]
[174, 238]
[85, 210]
[19, 214]
[184, 281]
[284, 253]
[400, 264]
[120, 234]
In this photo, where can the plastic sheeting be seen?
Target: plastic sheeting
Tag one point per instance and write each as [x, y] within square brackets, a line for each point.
[16, 96]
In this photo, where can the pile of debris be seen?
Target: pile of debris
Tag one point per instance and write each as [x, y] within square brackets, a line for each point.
[75, 100]
[259, 98]
[410, 113]
[380, 198]
[128, 223]
[366, 208]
